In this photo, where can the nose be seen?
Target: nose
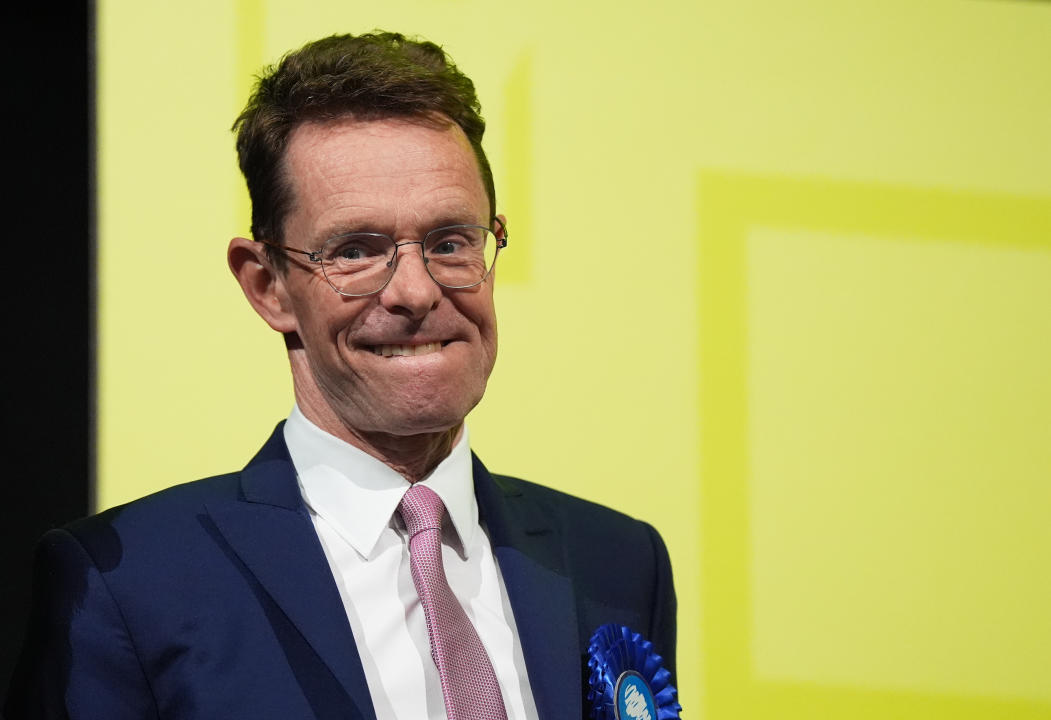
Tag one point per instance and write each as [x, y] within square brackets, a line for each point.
[411, 291]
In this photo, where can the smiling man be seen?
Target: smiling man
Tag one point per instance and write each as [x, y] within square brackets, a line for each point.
[364, 564]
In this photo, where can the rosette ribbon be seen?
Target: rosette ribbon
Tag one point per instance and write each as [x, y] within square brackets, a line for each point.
[614, 651]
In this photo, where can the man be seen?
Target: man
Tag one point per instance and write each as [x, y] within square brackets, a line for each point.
[293, 588]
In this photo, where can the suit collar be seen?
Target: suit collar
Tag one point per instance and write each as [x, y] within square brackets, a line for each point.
[530, 554]
[269, 478]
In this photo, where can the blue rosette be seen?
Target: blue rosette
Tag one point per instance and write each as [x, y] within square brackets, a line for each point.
[628, 679]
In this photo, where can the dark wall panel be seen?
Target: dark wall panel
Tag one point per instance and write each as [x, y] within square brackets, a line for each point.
[48, 281]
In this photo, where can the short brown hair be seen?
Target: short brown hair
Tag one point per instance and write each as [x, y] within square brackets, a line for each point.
[373, 76]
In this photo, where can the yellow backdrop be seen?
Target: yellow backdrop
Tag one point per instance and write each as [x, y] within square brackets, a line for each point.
[779, 283]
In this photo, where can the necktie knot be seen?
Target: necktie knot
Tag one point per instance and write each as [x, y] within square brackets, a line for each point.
[421, 509]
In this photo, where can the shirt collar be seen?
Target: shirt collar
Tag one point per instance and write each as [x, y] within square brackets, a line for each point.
[358, 494]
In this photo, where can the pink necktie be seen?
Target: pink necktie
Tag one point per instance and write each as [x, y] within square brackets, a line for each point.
[468, 681]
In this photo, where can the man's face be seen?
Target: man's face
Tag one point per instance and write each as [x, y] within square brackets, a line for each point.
[415, 357]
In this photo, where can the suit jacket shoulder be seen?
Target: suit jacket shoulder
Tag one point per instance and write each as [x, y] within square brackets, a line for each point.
[208, 599]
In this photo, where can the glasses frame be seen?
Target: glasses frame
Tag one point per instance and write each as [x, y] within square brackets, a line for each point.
[314, 256]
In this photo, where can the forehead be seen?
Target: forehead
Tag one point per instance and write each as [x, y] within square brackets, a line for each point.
[381, 171]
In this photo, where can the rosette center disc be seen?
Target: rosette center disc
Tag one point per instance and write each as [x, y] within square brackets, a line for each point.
[634, 700]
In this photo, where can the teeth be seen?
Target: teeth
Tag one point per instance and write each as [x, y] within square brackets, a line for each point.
[406, 350]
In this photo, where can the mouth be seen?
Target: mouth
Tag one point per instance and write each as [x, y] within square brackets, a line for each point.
[406, 350]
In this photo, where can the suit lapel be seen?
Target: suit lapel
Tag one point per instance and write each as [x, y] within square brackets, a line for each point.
[271, 532]
[529, 553]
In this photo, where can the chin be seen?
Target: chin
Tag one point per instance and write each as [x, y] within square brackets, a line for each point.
[423, 423]
[418, 418]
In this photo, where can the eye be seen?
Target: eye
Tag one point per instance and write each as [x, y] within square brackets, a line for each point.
[456, 240]
[357, 248]
[448, 243]
[446, 247]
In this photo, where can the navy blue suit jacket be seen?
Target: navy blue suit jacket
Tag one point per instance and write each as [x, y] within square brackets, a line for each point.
[214, 599]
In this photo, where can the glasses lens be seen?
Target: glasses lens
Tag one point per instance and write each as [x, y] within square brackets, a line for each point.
[460, 255]
[359, 263]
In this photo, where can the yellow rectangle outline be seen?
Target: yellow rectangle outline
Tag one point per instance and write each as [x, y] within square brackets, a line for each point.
[728, 206]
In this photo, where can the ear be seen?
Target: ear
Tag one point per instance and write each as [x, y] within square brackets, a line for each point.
[501, 226]
[262, 283]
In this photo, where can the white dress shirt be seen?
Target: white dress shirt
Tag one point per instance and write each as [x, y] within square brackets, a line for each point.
[352, 498]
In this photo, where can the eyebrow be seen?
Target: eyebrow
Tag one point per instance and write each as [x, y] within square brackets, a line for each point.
[368, 226]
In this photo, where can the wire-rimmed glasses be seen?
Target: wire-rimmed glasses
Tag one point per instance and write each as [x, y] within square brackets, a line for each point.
[362, 263]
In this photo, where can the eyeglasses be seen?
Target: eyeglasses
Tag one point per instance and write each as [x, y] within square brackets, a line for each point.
[362, 263]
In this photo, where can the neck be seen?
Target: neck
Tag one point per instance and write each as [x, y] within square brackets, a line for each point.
[411, 456]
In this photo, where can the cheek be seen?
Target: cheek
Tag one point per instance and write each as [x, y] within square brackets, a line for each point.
[480, 308]
[321, 309]
[326, 326]
[482, 315]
